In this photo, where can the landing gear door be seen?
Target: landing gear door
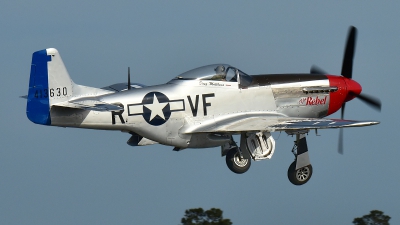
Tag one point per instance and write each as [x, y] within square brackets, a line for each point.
[260, 145]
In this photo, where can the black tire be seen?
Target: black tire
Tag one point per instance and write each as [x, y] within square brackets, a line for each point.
[235, 164]
[300, 176]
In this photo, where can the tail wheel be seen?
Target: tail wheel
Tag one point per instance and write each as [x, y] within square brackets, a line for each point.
[300, 176]
[235, 164]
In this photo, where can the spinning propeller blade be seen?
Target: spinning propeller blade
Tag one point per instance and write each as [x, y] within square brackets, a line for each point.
[347, 71]
[316, 70]
[347, 66]
[371, 101]
[129, 78]
[340, 144]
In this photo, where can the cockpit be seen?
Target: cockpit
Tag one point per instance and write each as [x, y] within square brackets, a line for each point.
[215, 72]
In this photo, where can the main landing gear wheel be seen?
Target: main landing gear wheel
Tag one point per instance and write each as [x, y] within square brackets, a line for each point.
[300, 176]
[235, 164]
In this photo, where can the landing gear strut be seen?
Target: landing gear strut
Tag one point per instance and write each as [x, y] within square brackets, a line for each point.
[300, 170]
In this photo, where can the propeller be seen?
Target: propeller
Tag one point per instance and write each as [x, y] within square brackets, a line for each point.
[347, 72]
[316, 70]
[371, 101]
[347, 65]
[340, 142]
[129, 78]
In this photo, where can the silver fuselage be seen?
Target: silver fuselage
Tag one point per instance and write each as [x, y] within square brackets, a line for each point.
[187, 104]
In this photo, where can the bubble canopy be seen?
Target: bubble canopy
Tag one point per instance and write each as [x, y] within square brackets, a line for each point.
[222, 72]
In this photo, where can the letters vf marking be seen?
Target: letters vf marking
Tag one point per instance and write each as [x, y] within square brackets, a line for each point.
[195, 107]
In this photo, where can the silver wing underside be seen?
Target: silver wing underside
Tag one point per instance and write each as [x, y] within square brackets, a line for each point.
[269, 122]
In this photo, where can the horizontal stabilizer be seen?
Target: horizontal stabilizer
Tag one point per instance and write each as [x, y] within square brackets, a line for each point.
[90, 105]
[122, 87]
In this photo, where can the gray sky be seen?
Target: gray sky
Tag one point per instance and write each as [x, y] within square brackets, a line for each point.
[53, 175]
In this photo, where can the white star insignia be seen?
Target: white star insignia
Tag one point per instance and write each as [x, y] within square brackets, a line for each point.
[156, 108]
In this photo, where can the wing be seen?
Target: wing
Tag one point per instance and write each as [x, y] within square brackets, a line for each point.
[268, 122]
[309, 123]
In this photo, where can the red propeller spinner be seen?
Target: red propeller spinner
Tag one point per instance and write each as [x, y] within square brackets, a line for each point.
[347, 89]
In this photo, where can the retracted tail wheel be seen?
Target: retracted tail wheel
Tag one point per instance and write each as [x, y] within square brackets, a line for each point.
[235, 164]
[300, 176]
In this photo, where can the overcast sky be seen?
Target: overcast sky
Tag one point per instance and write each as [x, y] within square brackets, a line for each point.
[51, 175]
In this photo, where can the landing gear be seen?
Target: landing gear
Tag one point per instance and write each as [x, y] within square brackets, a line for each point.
[299, 176]
[261, 146]
[300, 170]
[253, 146]
[237, 163]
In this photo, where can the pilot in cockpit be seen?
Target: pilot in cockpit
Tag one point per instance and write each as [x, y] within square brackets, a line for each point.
[220, 73]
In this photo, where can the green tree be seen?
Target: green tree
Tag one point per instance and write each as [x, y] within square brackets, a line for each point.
[375, 217]
[198, 216]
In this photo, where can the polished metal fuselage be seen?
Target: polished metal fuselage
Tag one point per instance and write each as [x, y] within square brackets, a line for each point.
[168, 113]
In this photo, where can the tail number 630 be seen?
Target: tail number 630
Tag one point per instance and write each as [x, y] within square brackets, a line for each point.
[62, 91]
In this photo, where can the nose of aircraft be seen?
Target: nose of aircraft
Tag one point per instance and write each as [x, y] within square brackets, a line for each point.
[353, 89]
